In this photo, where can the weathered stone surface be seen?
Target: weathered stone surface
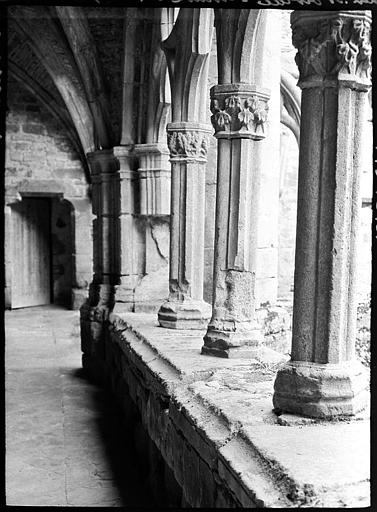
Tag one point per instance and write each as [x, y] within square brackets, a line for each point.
[188, 46]
[47, 165]
[189, 314]
[274, 319]
[334, 82]
[211, 420]
[65, 446]
[234, 325]
[345, 443]
[188, 155]
[151, 290]
[247, 334]
[217, 419]
[239, 110]
[240, 118]
[322, 391]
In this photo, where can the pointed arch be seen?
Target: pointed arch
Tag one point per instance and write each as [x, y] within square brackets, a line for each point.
[187, 52]
[46, 41]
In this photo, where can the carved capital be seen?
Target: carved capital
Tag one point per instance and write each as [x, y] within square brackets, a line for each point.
[333, 46]
[188, 141]
[239, 111]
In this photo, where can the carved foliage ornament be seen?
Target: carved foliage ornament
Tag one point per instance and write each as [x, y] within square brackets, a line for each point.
[239, 114]
[188, 144]
[333, 46]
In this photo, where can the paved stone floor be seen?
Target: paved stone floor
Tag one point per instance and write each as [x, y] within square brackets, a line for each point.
[64, 444]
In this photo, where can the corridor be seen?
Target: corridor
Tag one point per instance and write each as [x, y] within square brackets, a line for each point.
[64, 441]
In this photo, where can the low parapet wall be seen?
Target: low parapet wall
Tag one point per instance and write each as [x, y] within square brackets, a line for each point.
[212, 422]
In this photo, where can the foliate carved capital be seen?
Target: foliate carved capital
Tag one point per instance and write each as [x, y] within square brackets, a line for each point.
[239, 111]
[188, 141]
[333, 46]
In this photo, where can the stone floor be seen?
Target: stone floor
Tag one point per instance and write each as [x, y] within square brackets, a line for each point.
[64, 443]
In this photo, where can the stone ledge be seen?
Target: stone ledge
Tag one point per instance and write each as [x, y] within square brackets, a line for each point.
[213, 423]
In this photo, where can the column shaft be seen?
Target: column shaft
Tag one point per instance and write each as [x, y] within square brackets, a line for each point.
[323, 379]
[185, 307]
[239, 117]
[126, 234]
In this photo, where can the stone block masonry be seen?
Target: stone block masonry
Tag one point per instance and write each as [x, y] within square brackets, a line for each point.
[37, 148]
[211, 421]
[42, 161]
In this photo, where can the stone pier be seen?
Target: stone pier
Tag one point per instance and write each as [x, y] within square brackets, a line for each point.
[126, 235]
[187, 52]
[185, 308]
[239, 118]
[94, 312]
[240, 113]
[323, 379]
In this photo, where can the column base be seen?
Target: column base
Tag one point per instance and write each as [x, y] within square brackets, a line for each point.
[240, 342]
[321, 390]
[190, 314]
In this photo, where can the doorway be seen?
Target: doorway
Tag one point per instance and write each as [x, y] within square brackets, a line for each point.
[31, 265]
[42, 252]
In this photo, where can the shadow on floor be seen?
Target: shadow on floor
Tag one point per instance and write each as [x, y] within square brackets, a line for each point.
[130, 474]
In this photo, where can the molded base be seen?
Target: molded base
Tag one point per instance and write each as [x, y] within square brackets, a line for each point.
[233, 343]
[184, 315]
[321, 390]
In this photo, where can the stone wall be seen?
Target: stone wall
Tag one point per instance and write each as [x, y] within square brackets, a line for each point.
[41, 161]
[184, 445]
[205, 430]
[152, 255]
[287, 210]
[37, 148]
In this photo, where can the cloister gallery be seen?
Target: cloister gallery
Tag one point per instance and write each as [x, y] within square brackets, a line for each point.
[197, 184]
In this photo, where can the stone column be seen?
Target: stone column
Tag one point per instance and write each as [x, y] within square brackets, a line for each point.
[103, 165]
[187, 51]
[82, 250]
[95, 311]
[125, 231]
[239, 118]
[323, 378]
[185, 308]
